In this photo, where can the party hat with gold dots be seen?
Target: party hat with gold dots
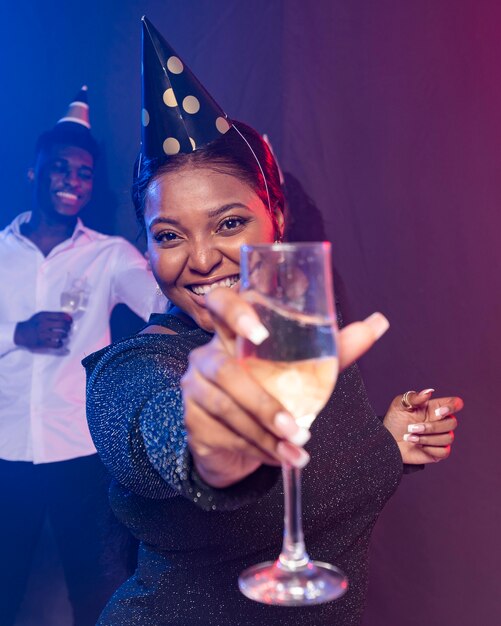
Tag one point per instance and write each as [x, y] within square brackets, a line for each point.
[178, 114]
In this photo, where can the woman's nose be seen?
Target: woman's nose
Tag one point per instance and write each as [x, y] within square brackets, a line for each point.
[204, 258]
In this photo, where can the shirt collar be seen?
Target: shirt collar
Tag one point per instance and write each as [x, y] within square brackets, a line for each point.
[23, 218]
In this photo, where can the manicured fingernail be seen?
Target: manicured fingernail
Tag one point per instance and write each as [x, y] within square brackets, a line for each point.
[443, 410]
[252, 329]
[426, 391]
[378, 323]
[413, 438]
[297, 457]
[286, 424]
[416, 428]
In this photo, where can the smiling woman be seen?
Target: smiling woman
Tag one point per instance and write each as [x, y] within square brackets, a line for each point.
[193, 441]
[199, 211]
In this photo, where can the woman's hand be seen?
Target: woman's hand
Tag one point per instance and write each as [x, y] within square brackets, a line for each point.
[233, 424]
[424, 432]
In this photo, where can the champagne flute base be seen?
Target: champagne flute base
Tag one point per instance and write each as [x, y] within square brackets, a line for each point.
[272, 583]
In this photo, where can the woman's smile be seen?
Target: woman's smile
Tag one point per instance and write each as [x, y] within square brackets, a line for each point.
[197, 220]
[202, 289]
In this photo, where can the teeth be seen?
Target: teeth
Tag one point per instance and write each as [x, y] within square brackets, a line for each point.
[202, 290]
[66, 195]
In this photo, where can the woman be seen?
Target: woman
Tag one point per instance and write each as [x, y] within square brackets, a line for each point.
[194, 443]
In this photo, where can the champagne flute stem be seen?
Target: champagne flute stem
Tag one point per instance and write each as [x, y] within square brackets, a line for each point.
[293, 555]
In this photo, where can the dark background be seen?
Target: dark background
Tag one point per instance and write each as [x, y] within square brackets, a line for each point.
[389, 114]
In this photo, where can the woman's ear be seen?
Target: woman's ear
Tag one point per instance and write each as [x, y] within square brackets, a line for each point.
[280, 222]
[30, 175]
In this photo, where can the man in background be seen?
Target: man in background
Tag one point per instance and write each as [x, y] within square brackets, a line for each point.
[59, 282]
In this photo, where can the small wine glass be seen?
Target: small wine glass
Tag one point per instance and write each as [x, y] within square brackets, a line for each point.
[75, 298]
[290, 287]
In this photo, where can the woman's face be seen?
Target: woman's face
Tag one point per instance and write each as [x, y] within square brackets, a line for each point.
[196, 221]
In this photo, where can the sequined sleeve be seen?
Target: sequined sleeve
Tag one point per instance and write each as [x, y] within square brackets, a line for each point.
[135, 414]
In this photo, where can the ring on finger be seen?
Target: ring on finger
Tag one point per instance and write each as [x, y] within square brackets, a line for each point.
[405, 400]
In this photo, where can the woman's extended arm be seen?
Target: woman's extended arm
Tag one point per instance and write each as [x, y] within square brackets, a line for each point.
[234, 426]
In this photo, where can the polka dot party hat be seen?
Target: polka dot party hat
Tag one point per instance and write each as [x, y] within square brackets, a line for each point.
[178, 114]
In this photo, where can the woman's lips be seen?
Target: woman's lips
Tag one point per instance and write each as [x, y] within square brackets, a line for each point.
[204, 289]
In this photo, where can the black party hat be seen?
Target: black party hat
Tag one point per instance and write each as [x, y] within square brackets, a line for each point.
[178, 114]
[73, 128]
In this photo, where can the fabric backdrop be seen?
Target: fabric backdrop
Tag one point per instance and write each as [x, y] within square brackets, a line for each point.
[388, 115]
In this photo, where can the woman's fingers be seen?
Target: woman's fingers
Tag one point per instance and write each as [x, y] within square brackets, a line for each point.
[431, 440]
[232, 316]
[433, 428]
[218, 452]
[232, 386]
[357, 338]
[432, 434]
[442, 407]
[247, 420]
[224, 410]
[438, 453]
[211, 434]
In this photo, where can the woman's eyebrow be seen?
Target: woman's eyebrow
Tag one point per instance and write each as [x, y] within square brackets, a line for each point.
[226, 207]
[210, 214]
[163, 220]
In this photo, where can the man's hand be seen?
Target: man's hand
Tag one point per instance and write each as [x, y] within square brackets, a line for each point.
[47, 329]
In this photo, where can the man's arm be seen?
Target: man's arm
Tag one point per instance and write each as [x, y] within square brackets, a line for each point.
[132, 282]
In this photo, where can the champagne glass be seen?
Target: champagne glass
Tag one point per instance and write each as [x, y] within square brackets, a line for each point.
[74, 300]
[290, 287]
[74, 297]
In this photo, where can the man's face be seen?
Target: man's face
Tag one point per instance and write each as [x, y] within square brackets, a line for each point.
[63, 180]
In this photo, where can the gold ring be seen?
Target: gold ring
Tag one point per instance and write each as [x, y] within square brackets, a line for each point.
[405, 400]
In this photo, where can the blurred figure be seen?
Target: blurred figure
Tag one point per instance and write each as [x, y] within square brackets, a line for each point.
[59, 282]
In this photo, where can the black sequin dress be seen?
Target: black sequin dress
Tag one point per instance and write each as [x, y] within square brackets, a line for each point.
[195, 540]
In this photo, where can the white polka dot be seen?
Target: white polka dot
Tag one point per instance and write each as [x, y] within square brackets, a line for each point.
[222, 125]
[171, 145]
[175, 65]
[170, 98]
[191, 104]
[145, 117]
[193, 144]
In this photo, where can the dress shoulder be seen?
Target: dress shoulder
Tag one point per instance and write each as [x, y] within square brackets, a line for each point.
[128, 384]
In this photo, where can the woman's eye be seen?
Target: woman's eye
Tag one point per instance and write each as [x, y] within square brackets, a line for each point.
[231, 223]
[166, 237]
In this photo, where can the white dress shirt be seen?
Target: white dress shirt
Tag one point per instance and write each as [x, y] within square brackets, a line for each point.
[42, 393]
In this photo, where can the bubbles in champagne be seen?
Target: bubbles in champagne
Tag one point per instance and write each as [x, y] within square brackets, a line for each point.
[297, 363]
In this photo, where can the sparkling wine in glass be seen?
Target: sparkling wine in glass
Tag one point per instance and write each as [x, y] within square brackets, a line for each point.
[75, 296]
[74, 300]
[290, 287]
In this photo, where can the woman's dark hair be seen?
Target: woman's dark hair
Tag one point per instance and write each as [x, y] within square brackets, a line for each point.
[229, 154]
